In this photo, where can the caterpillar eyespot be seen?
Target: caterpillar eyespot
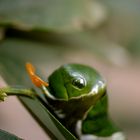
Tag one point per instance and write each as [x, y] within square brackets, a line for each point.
[79, 82]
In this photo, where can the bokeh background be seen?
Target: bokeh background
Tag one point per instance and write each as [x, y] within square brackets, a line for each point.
[104, 34]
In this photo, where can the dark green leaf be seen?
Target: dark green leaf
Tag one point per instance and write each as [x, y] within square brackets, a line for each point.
[2, 31]
[7, 136]
[54, 15]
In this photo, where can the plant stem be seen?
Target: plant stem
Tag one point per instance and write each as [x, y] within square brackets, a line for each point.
[18, 91]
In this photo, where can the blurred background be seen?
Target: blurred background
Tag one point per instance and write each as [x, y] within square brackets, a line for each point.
[104, 34]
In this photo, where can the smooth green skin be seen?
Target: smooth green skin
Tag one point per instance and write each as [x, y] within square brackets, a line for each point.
[88, 104]
[60, 81]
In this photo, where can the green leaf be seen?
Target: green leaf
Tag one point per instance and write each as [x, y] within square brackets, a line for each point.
[2, 31]
[8, 136]
[54, 15]
[13, 55]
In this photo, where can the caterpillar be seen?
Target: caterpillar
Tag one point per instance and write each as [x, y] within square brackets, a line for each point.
[78, 97]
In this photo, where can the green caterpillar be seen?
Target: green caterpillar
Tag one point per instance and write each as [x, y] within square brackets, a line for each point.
[78, 98]
[76, 94]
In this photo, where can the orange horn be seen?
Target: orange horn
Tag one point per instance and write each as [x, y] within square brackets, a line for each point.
[35, 79]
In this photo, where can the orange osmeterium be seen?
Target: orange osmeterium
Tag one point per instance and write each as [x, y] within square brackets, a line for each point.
[35, 79]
